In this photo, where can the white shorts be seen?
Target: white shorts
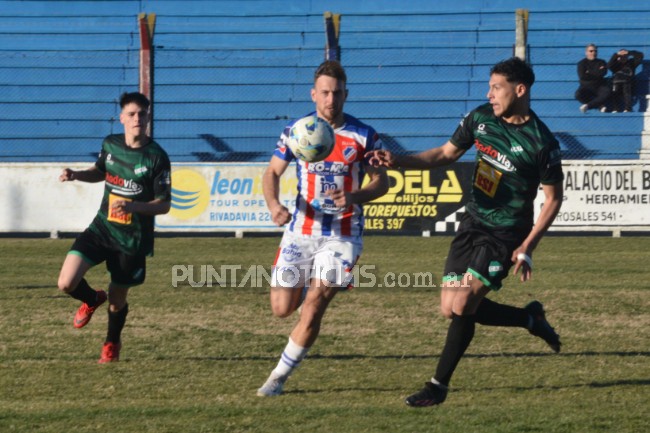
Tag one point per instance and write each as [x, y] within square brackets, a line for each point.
[329, 258]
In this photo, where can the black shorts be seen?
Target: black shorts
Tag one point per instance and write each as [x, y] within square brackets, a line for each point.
[483, 252]
[126, 270]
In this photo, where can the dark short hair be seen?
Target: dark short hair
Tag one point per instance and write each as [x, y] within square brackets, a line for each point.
[515, 70]
[135, 97]
[331, 68]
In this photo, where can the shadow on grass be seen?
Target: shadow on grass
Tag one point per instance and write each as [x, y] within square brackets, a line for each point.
[345, 357]
[603, 384]
[608, 384]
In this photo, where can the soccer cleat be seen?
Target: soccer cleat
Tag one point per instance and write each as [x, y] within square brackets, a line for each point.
[110, 353]
[430, 395]
[85, 313]
[541, 328]
[272, 387]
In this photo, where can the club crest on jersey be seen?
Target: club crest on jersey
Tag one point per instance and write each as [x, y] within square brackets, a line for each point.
[516, 149]
[480, 130]
[350, 153]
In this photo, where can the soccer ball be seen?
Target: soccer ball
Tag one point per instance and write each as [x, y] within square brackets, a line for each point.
[311, 139]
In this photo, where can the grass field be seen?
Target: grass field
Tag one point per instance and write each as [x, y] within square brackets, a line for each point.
[193, 357]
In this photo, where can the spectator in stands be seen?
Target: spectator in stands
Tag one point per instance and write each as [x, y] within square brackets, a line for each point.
[136, 174]
[622, 64]
[594, 91]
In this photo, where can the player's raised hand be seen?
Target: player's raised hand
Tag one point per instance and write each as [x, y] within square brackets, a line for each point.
[380, 158]
[66, 175]
[280, 215]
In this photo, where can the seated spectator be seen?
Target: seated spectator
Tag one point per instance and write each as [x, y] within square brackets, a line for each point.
[594, 92]
[622, 64]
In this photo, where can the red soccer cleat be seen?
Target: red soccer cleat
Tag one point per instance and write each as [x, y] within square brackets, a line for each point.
[110, 353]
[85, 313]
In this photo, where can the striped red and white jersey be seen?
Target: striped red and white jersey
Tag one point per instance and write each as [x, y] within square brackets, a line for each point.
[315, 213]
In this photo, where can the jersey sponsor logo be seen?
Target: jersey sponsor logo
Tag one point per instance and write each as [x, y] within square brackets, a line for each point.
[140, 169]
[494, 157]
[480, 130]
[495, 268]
[487, 178]
[109, 159]
[113, 216]
[328, 168]
[124, 186]
[291, 252]
[326, 206]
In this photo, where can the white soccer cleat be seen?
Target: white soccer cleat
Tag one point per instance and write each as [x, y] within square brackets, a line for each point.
[272, 387]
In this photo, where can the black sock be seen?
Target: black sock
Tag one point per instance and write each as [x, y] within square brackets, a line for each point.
[494, 314]
[85, 293]
[459, 335]
[116, 323]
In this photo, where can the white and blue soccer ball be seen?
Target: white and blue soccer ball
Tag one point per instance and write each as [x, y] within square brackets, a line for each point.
[311, 139]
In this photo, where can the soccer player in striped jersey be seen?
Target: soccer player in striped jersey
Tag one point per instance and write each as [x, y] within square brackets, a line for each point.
[137, 187]
[323, 236]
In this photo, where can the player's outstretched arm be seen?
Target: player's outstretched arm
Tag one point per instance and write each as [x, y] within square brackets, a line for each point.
[375, 188]
[91, 175]
[436, 157]
[522, 256]
[271, 187]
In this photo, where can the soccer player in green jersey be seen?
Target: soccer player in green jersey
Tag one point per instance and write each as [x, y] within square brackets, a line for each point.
[136, 175]
[515, 153]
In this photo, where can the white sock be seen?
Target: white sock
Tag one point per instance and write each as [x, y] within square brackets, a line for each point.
[290, 359]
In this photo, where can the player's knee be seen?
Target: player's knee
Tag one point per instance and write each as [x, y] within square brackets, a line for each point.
[65, 284]
[446, 311]
[281, 311]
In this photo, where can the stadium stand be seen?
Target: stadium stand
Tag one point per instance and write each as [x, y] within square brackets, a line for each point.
[229, 74]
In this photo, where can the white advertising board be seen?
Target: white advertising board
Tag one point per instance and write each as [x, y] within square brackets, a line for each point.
[598, 196]
[33, 199]
[222, 197]
[603, 195]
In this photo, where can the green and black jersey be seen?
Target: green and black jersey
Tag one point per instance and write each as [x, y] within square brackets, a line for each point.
[138, 174]
[511, 162]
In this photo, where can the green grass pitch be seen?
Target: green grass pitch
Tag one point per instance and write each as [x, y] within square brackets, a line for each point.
[193, 357]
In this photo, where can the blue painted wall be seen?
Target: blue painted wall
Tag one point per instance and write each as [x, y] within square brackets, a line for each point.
[229, 74]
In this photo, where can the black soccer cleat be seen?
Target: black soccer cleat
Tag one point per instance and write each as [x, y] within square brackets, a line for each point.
[430, 395]
[541, 328]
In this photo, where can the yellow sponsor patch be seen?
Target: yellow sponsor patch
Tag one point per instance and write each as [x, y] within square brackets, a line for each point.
[112, 216]
[487, 178]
